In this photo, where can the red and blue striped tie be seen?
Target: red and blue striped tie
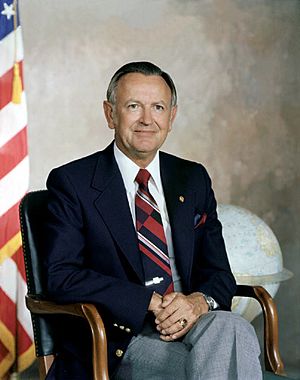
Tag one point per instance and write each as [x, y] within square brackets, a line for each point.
[152, 239]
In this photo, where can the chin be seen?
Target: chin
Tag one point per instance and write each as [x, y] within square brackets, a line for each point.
[145, 145]
[146, 148]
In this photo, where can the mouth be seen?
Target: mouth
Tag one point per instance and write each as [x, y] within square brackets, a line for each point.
[144, 131]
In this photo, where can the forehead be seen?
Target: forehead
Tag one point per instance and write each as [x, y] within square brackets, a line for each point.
[139, 86]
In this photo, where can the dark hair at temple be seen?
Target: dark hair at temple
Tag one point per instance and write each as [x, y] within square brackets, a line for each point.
[143, 67]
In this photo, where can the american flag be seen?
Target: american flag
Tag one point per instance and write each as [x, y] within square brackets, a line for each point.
[16, 339]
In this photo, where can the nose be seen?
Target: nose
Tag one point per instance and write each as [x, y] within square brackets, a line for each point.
[146, 116]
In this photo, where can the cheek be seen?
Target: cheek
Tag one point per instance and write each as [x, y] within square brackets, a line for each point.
[167, 127]
[128, 119]
[166, 122]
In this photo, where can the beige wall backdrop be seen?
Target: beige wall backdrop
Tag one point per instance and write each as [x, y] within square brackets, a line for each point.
[236, 65]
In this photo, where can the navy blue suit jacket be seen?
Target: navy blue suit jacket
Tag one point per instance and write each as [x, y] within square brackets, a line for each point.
[92, 250]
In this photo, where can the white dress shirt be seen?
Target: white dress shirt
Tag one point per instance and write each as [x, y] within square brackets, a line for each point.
[129, 171]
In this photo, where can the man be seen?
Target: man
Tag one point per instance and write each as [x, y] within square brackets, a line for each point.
[135, 231]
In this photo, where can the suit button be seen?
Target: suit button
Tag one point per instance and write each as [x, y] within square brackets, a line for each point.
[127, 330]
[119, 353]
[122, 327]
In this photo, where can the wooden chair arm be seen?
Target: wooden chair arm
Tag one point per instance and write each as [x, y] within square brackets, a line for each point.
[88, 312]
[273, 360]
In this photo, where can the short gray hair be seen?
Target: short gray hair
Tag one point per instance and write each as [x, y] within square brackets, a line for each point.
[143, 67]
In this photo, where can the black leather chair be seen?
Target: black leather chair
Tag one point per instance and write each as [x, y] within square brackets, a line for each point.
[32, 211]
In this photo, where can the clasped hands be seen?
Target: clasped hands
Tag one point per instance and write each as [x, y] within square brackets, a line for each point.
[176, 313]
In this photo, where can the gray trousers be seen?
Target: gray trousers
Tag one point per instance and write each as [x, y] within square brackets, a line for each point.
[221, 346]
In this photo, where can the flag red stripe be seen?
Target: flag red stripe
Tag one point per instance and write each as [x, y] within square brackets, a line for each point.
[155, 259]
[24, 341]
[13, 152]
[6, 85]
[8, 312]
[19, 260]
[9, 224]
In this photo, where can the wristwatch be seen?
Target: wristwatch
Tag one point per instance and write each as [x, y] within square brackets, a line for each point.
[211, 303]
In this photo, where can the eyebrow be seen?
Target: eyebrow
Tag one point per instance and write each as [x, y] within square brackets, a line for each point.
[132, 100]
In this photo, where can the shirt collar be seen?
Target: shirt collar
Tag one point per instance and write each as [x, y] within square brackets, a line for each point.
[129, 170]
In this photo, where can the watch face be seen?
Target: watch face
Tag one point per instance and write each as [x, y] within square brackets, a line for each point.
[212, 304]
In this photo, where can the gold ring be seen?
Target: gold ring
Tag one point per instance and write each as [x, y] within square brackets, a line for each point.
[183, 322]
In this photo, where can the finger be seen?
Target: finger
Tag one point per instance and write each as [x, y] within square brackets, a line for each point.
[181, 307]
[178, 308]
[173, 302]
[179, 325]
[156, 312]
[172, 320]
[173, 329]
[181, 333]
[166, 313]
[167, 299]
[166, 338]
[177, 335]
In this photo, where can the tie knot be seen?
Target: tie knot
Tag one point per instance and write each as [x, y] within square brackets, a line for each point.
[142, 177]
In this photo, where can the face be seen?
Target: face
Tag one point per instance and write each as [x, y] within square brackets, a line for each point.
[142, 116]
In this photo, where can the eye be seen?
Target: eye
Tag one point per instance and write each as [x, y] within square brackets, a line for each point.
[159, 107]
[133, 106]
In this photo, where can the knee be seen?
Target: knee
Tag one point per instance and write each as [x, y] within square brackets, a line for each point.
[234, 321]
[240, 328]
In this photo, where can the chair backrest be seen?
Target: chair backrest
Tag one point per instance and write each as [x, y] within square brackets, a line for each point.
[33, 209]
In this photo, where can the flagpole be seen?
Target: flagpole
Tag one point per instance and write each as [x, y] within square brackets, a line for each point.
[17, 83]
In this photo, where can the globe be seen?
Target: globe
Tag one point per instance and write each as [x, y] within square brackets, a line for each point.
[254, 255]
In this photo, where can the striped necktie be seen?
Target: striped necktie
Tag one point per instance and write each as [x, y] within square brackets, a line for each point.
[151, 238]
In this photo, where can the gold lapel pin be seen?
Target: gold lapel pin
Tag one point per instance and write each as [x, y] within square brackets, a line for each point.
[181, 198]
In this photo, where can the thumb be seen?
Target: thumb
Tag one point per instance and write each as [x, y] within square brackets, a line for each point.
[167, 299]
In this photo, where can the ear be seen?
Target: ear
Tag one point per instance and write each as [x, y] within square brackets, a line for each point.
[109, 114]
[172, 116]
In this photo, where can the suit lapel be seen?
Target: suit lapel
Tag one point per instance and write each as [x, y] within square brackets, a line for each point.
[112, 205]
[180, 204]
